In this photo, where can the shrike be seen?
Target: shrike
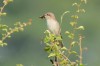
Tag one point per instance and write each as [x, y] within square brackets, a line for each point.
[52, 24]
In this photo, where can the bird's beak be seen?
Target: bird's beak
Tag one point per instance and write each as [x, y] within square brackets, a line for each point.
[42, 17]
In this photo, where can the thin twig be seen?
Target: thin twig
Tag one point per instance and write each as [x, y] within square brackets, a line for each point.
[63, 16]
[1, 9]
[14, 30]
[80, 45]
[64, 57]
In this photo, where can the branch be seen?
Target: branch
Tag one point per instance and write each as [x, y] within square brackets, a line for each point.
[16, 29]
[80, 45]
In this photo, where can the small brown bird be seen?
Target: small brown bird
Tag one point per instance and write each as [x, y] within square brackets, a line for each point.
[52, 24]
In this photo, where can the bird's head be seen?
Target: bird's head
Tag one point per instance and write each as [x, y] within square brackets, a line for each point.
[48, 15]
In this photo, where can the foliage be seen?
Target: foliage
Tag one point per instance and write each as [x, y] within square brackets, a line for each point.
[63, 54]
[19, 64]
[5, 31]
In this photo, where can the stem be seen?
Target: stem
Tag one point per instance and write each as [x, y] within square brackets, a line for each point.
[65, 57]
[63, 16]
[8, 34]
[2, 9]
[14, 30]
[69, 50]
[80, 45]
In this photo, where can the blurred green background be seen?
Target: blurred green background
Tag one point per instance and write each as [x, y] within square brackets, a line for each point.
[26, 48]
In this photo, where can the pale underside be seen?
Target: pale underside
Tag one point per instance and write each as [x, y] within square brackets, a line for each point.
[53, 26]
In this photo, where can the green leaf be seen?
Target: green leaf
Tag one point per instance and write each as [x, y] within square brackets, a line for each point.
[10, 0]
[19, 65]
[47, 32]
[63, 62]
[22, 29]
[1, 42]
[75, 16]
[1, 45]
[64, 48]
[85, 1]
[74, 52]
[9, 36]
[4, 29]
[5, 44]
[82, 10]
[67, 32]
[47, 48]
[58, 38]
[74, 4]
[52, 55]
[71, 35]
[46, 40]
[4, 14]
[74, 64]
[73, 23]
[81, 65]
[73, 43]
[81, 28]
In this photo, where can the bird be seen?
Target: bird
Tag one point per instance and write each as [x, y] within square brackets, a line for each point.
[53, 25]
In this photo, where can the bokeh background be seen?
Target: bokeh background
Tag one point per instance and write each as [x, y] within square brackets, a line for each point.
[26, 47]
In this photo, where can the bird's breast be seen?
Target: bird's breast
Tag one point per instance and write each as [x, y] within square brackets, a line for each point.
[53, 26]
